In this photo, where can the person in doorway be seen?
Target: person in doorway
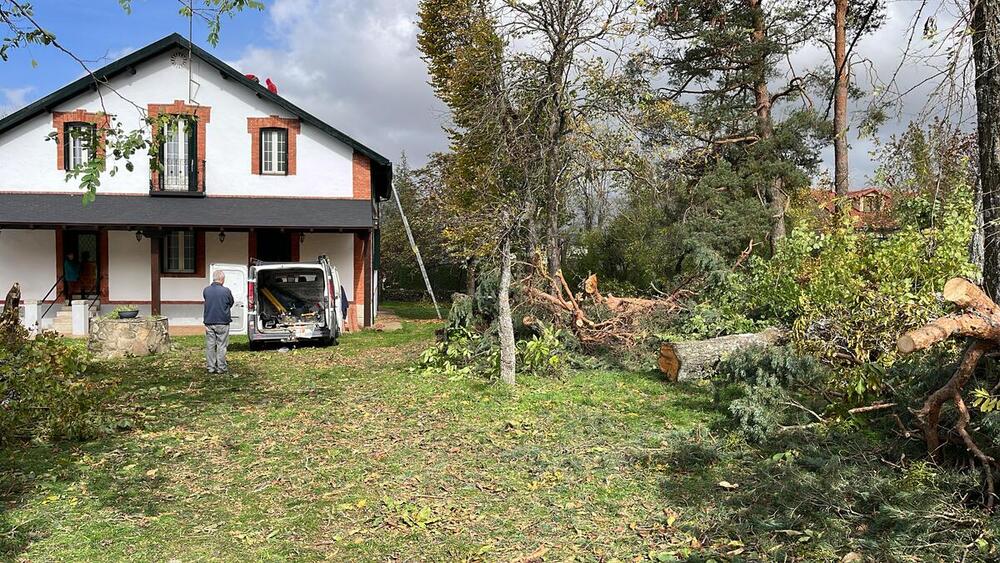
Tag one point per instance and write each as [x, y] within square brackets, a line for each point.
[218, 304]
[71, 275]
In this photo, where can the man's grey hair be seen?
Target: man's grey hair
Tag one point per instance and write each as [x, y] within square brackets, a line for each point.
[218, 276]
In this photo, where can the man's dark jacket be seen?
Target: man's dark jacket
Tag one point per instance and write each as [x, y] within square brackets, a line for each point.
[218, 302]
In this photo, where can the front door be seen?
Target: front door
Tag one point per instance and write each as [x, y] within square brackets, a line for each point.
[236, 281]
[82, 263]
[274, 246]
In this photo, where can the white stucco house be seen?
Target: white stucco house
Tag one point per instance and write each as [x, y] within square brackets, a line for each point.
[251, 176]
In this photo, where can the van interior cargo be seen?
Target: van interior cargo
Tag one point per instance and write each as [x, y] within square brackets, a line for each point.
[290, 297]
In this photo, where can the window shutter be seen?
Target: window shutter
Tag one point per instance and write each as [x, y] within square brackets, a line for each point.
[192, 155]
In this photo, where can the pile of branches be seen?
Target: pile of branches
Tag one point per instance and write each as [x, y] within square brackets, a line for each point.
[595, 319]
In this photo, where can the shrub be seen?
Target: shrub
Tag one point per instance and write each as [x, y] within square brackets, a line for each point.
[848, 294]
[465, 351]
[46, 390]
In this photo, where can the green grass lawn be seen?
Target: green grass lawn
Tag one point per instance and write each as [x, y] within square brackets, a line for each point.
[344, 454]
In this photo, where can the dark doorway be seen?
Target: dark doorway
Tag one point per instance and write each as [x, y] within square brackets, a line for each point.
[274, 246]
[82, 248]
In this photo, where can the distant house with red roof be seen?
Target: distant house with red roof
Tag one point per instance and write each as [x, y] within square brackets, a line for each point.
[871, 206]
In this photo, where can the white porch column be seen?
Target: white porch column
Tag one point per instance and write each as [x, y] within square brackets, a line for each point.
[30, 319]
[80, 317]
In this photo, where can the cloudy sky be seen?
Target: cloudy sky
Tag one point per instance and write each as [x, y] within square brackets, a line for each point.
[354, 63]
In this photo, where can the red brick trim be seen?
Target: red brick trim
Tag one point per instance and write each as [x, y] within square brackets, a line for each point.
[255, 124]
[199, 258]
[294, 239]
[251, 245]
[204, 115]
[359, 269]
[362, 176]
[60, 245]
[61, 118]
[102, 266]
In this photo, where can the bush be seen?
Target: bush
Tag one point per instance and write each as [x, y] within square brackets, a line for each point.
[848, 294]
[46, 390]
[465, 351]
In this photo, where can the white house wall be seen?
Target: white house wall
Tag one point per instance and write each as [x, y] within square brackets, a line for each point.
[339, 248]
[27, 257]
[128, 267]
[232, 251]
[324, 164]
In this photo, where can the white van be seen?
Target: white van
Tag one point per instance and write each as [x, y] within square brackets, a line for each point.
[284, 302]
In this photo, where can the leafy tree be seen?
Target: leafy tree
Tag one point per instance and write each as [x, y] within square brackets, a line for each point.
[401, 276]
[722, 61]
[485, 172]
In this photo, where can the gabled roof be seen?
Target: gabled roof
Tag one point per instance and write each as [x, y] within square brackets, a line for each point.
[381, 166]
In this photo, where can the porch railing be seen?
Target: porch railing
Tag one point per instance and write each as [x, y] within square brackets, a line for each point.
[51, 289]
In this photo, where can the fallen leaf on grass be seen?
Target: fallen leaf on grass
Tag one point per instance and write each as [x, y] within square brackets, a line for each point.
[729, 486]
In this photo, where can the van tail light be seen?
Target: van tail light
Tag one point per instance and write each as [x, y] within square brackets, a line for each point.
[251, 301]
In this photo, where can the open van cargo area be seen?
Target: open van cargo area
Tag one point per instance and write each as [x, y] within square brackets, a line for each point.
[290, 298]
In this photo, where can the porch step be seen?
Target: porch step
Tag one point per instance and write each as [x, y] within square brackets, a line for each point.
[63, 321]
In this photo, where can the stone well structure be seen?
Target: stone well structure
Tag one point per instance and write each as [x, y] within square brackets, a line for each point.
[116, 338]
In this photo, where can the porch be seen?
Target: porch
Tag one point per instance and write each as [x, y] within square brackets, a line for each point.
[161, 267]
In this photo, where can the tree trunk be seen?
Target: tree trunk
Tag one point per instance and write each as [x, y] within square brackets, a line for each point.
[774, 192]
[682, 361]
[470, 276]
[506, 323]
[841, 178]
[552, 237]
[986, 53]
[977, 246]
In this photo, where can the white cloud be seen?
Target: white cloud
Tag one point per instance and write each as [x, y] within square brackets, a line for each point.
[355, 65]
[16, 98]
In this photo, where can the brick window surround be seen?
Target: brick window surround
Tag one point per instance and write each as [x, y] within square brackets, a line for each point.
[61, 118]
[254, 125]
[204, 115]
[362, 176]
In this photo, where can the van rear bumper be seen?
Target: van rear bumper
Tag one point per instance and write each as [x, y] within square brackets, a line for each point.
[321, 333]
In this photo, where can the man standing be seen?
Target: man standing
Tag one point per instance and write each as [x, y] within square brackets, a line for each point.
[218, 303]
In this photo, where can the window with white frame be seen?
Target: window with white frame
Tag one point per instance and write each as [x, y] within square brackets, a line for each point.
[180, 253]
[78, 140]
[274, 151]
[178, 155]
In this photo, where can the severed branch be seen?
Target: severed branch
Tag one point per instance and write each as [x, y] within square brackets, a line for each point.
[980, 321]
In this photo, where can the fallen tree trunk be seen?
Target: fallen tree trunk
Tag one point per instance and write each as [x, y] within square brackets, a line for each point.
[682, 361]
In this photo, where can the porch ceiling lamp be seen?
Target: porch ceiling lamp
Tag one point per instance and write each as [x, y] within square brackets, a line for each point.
[138, 236]
[302, 238]
[222, 236]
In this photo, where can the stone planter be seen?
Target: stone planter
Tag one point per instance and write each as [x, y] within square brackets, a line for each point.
[116, 338]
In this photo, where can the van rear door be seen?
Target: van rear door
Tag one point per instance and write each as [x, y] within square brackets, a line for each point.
[333, 318]
[236, 281]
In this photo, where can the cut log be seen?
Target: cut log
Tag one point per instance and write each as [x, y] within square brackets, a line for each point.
[968, 324]
[682, 361]
[968, 296]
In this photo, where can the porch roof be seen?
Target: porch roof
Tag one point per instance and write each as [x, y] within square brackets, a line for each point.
[123, 211]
